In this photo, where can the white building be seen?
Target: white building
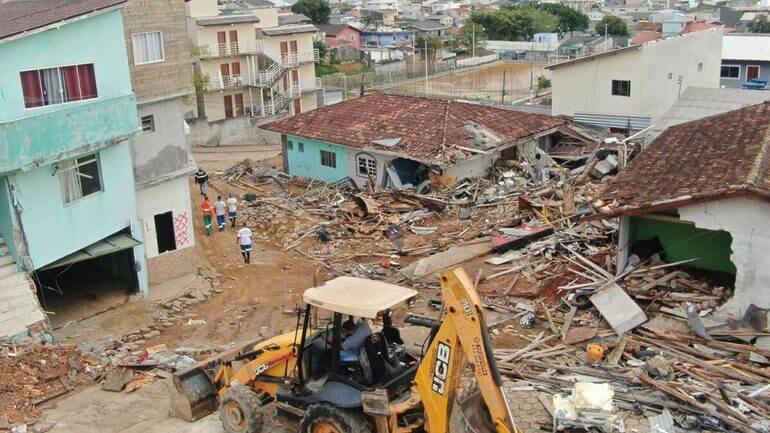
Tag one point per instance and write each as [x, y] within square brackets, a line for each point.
[634, 86]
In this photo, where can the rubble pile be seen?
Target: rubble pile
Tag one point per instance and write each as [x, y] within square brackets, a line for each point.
[35, 374]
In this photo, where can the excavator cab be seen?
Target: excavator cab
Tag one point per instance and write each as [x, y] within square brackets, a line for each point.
[344, 378]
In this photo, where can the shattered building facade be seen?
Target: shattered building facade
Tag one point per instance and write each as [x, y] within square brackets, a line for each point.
[67, 114]
[700, 193]
[398, 140]
[161, 75]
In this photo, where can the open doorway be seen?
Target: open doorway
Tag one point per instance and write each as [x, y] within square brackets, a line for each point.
[77, 287]
[164, 232]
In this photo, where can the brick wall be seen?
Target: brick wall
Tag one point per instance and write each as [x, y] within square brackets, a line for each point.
[173, 75]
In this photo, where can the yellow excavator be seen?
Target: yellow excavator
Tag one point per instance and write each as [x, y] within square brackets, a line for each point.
[307, 375]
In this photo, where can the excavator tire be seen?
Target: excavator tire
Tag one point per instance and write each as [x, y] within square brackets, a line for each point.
[325, 418]
[241, 410]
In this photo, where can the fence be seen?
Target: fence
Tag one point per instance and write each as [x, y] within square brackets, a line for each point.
[475, 61]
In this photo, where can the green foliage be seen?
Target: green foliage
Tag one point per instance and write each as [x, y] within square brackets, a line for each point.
[317, 10]
[613, 25]
[201, 81]
[570, 19]
[469, 33]
[323, 50]
[543, 21]
[199, 50]
[367, 20]
[543, 83]
[505, 24]
[761, 25]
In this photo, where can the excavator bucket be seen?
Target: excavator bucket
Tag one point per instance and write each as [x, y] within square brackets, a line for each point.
[194, 394]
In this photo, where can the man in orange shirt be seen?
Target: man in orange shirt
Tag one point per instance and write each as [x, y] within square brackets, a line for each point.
[207, 209]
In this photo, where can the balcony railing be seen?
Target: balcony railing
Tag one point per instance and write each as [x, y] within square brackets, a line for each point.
[52, 133]
[220, 82]
[258, 47]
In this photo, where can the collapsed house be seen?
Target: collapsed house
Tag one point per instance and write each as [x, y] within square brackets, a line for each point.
[700, 193]
[394, 141]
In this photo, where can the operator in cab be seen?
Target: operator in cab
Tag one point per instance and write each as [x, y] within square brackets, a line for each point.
[355, 335]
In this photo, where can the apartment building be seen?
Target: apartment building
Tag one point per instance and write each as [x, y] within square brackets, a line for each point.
[161, 70]
[68, 217]
[248, 63]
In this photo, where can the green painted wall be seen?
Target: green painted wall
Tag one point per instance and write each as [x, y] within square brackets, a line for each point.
[685, 241]
[6, 217]
[307, 163]
[32, 137]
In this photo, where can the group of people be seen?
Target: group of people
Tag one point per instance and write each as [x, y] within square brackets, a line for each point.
[223, 209]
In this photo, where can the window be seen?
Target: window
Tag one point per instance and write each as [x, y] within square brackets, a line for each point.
[328, 159]
[148, 47]
[367, 166]
[700, 67]
[301, 146]
[290, 145]
[752, 72]
[79, 178]
[148, 123]
[58, 85]
[621, 87]
[731, 72]
[670, 75]
[352, 37]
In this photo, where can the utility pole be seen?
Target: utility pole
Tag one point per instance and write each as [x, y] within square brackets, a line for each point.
[502, 96]
[473, 40]
[425, 41]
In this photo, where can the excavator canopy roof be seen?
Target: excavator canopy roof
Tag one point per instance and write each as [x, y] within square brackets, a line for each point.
[357, 296]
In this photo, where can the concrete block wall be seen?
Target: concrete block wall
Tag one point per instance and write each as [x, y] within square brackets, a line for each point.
[236, 131]
[173, 75]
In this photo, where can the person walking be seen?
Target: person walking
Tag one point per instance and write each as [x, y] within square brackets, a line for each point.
[232, 208]
[221, 210]
[202, 179]
[207, 209]
[244, 240]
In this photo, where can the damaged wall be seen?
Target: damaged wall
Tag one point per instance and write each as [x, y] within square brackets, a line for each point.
[165, 150]
[745, 218]
[172, 196]
[236, 131]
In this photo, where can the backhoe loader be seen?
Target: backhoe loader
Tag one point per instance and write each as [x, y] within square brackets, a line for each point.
[304, 375]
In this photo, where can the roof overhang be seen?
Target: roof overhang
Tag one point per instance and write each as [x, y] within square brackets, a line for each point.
[58, 24]
[678, 202]
[109, 245]
[357, 297]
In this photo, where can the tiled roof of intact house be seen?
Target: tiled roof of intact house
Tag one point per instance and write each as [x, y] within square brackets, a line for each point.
[703, 160]
[22, 16]
[428, 130]
[645, 36]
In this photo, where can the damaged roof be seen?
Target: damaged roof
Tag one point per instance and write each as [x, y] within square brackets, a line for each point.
[429, 130]
[703, 160]
[22, 16]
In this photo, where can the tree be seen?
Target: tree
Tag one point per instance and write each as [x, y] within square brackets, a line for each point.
[323, 50]
[470, 34]
[367, 20]
[317, 10]
[435, 45]
[612, 25]
[505, 24]
[761, 25]
[570, 19]
[542, 20]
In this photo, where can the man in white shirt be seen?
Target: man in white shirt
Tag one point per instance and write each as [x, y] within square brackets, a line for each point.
[221, 209]
[244, 240]
[232, 208]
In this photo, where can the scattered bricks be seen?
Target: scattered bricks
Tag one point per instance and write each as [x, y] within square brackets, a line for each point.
[192, 351]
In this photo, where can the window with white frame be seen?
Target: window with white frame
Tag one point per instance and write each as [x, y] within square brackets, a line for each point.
[79, 178]
[148, 47]
[732, 72]
[367, 165]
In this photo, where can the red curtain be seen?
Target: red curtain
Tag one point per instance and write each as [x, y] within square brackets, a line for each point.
[87, 81]
[33, 92]
[71, 83]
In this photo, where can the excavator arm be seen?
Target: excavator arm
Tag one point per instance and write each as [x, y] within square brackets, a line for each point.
[461, 338]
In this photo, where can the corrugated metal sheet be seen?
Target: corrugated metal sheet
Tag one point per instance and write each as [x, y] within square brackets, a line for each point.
[108, 245]
[636, 123]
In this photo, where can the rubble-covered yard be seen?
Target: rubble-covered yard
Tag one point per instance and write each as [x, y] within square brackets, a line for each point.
[560, 312]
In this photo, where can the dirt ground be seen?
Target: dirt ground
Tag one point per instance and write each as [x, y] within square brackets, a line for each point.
[253, 300]
[254, 297]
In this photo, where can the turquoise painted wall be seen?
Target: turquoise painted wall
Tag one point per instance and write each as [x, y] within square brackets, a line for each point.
[37, 136]
[6, 217]
[685, 241]
[54, 229]
[307, 163]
